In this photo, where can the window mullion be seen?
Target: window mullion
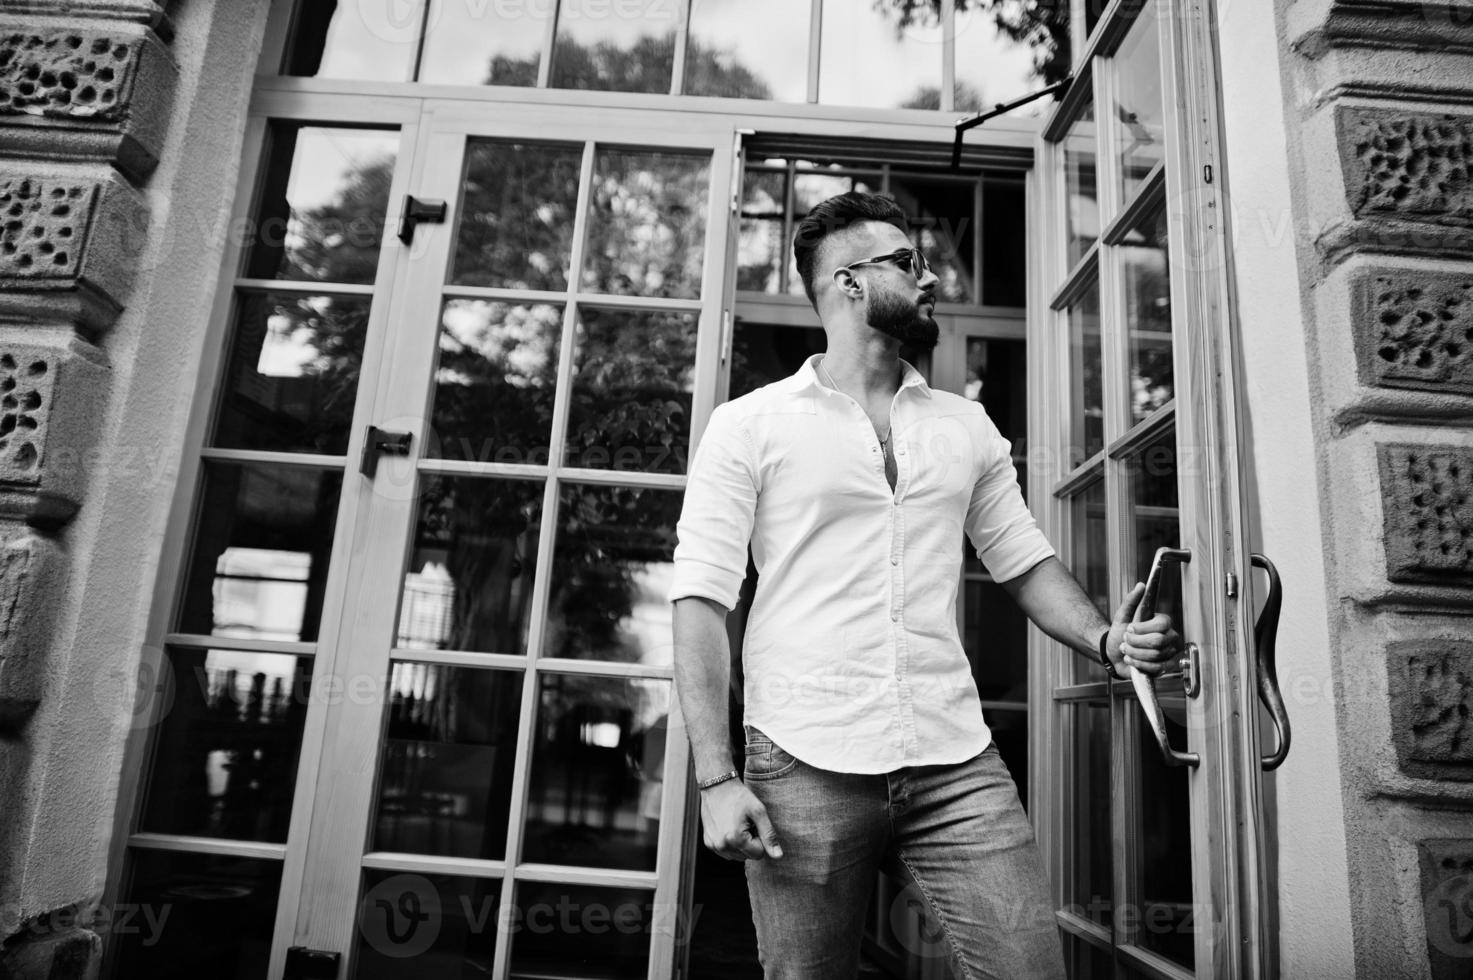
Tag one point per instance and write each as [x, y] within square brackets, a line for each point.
[948, 56]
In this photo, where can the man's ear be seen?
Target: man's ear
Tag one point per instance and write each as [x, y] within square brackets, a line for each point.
[849, 284]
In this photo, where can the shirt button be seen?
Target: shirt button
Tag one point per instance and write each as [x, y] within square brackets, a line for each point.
[895, 617]
[894, 560]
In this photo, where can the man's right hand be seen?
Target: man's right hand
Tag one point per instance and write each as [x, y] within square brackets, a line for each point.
[734, 823]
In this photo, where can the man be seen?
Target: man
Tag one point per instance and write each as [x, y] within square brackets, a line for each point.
[853, 482]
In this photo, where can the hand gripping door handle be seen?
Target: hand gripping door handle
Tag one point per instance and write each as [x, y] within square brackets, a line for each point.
[1145, 684]
[1265, 635]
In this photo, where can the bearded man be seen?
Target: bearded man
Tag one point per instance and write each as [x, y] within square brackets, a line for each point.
[854, 482]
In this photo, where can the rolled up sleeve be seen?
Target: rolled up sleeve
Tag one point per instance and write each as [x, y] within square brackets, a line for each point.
[716, 517]
[999, 524]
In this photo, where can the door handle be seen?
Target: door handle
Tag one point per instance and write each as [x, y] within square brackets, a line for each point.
[378, 442]
[417, 212]
[1145, 684]
[1265, 636]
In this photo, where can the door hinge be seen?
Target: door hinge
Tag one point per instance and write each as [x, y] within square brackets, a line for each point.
[1232, 585]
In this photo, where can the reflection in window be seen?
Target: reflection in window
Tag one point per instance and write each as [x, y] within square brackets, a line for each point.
[761, 243]
[353, 40]
[1083, 206]
[611, 567]
[733, 51]
[225, 756]
[469, 581]
[495, 381]
[1138, 120]
[762, 354]
[220, 915]
[1148, 314]
[1004, 242]
[517, 209]
[1086, 411]
[599, 46]
[1155, 517]
[612, 925]
[320, 216]
[484, 43]
[447, 758]
[943, 222]
[633, 375]
[647, 223]
[261, 546]
[292, 377]
[598, 771]
[1003, 52]
[880, 56]
[1090, 885]
[1163, 828]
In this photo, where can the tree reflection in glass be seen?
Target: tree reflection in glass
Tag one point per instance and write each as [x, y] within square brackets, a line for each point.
[647, 224]
[517, 206]
[1148, 314]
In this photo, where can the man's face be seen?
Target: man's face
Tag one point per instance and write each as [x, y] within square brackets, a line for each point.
[896, 303]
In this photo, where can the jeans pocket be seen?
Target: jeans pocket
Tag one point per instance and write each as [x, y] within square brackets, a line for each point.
[765, 758]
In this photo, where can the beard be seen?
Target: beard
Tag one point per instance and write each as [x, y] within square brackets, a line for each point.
[895, 317]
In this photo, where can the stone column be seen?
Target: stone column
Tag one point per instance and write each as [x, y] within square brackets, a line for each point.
[1381, 149]
[86, 88]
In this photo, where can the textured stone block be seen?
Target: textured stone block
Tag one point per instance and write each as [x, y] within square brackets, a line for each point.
[1407, 165]
[68, 243]
[1431, 687]
[1427, 496]
[1414, 329]
[1446, 868]
[74, 92]
[31, 577]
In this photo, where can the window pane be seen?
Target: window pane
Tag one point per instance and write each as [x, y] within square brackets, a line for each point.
[1164, 875]
[598, 771]
[263, 537]
[469, 581]
[996, 65]
[633, 375]
[517, 209]
[1090, 885]
[761, 244]
[1155, 521]
[734, 52]
[1087, 411]
[201, 915]
[356, 39]
[292, 376]
[1083, 210]
[225, 759]
[1088, 547]
[1004, 242]
[611, 568]
[880, 56]
[943, 223]
[445, 767]
[762, 354]
[647, 223]
[320, 216]
[1137, 119]
[612, 926]
[1148, 314]
[1084, 961]
[601, 46]
[495, 381]
[460, 946]
[484, 43]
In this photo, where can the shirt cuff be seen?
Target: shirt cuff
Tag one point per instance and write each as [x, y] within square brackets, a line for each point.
[697, 578]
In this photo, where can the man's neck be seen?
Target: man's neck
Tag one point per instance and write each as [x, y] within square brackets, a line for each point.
[864, 370]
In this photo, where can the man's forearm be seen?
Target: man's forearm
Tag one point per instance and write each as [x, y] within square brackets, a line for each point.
[702, 679]
[1056, 602]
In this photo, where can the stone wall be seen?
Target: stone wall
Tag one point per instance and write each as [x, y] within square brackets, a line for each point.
[1381, 97]
[117, 118]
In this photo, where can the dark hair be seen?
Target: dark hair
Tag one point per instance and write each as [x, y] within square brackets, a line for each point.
[835, 215]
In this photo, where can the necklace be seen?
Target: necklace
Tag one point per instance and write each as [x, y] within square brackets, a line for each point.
[824, 372]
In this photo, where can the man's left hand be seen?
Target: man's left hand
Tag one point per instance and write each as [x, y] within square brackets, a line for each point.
[1149, 646]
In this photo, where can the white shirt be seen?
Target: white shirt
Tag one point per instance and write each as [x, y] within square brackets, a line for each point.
[852, 658]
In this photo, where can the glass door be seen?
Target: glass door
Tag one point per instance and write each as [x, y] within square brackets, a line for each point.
[1151, 831]
[501, 788]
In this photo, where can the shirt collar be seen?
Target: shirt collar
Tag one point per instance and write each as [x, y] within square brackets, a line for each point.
[805, 379]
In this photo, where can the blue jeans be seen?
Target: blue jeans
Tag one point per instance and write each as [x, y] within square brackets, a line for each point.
[956, 834]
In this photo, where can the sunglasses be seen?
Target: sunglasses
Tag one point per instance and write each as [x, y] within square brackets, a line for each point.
[912, 260]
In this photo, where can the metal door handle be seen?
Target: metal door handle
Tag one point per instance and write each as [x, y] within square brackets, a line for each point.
[377, 442]
[418, 212]
[1265, 635]
[1145, 684]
